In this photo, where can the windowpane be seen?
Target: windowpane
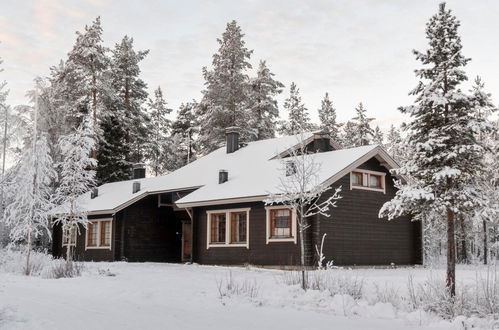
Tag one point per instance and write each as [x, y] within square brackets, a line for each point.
[375, 181]
[105, 233]
[218, 228]
[357, 179]
[281, 223]
[92, 234]
[238, 227]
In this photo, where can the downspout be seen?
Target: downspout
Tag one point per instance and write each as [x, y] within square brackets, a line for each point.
[190, 212]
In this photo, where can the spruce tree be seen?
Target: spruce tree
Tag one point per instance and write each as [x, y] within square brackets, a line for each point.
[298, 116]
[76, 178]
[394, 147]
[186, 127]
[349, 136]
[131, 94]
[85, 75]
[378, 137]
[225, 99]
[262, 103]
[159, 132]
[364, 132]
[327, 117]
[446, 156]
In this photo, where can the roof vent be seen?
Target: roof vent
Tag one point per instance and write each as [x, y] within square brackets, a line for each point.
[232, 135]
[139, 171]
[223, 176]
[136, 187]
[94, 192]
[290, 167]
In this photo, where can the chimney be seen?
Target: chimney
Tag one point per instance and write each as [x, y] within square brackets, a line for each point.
[94, 192]
[232, 134]
[136, 187]
[223, 176]
[322, 142]
[139, 171]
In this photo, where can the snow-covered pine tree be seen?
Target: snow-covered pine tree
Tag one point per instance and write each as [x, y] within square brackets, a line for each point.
[112, 164]
[85, 75]
[393, 144]
[486, 132]
[298, 116]
[131, 94]
[327, 117]
[349, 136]
[225, 99]
[76, 176]
[159, 132]
[378, 136]
[264, 111]
[446, 156]
[186, 126]
[27, 214]
[363, 130]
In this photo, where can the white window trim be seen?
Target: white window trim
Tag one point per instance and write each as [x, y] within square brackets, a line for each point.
[227, 228]
[293, 225]
[98, 247]
[64, 236]
[383, 180]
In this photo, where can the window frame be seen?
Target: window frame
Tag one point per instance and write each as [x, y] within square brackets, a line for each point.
[268, 237]
[99, 227]
[73, 228]
[366, 175]
[228, 224]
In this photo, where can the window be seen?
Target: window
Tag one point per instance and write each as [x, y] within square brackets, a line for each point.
[218, 228]
[69, 236]
[368, 180]
[228, 228]
[281, 224]
[238, 227]
[99, 234]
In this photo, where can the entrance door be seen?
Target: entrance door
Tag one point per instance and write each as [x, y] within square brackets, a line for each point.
[186, 241]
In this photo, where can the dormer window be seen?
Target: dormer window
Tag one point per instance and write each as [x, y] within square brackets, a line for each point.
[368, 180]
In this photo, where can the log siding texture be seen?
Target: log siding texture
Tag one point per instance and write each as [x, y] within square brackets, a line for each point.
[355, 234]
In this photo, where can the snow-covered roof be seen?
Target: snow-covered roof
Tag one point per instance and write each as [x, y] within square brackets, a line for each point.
[253, 173]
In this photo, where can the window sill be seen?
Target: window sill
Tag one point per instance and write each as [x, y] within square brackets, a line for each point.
[283, 239]
[97, 248]
[369, 188]
[216, 245]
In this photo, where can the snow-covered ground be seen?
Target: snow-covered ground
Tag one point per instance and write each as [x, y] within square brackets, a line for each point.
[174, 296]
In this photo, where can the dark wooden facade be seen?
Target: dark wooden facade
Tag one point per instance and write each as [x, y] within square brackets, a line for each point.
[144, 231]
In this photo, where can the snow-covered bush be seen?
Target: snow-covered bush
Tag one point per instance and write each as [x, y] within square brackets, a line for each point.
[480, 298]
[228, 287]
[41, 264]
[335, 283]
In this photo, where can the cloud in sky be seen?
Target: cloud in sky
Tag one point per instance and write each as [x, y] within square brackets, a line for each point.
[355, 50]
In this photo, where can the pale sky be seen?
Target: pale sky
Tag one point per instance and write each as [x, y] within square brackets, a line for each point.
[355, 50]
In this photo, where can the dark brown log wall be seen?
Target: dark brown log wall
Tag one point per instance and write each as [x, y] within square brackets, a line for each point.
[259, 253]
[355, 234]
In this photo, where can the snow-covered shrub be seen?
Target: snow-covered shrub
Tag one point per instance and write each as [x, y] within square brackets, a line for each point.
[60, 268]
[387, 294]
[480, 298]
[487, 293]
[41, 264]
[290, 277]
[328, 279]
[228, 287]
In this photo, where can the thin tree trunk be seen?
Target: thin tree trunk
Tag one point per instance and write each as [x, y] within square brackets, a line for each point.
[28, 254]
[464, 250]
[302, 251]
[485, 243]
[451, 254]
